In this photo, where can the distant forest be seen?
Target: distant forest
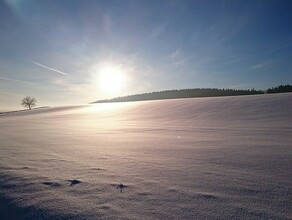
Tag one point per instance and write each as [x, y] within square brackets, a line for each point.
[193, 93]
[280, 89]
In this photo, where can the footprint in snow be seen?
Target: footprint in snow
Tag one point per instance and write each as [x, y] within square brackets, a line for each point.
[52, 184]
[74, 182]
[121, 187]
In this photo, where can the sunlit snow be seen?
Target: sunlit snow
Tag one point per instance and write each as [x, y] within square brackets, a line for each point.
[204, 158]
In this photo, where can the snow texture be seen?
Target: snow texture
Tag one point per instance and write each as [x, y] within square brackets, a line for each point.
[202, 158]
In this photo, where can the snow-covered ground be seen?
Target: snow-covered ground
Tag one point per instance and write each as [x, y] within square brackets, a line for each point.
[203, 158]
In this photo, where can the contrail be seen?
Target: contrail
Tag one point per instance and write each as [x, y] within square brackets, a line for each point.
[15, 80]
[49, 68]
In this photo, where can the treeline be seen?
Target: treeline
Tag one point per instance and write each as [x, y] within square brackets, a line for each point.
[280, 89]
[182, 93]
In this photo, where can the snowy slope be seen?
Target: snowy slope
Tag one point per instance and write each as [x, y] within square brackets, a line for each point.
[204, 158]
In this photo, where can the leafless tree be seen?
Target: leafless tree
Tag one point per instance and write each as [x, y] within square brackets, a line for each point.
[28, 102]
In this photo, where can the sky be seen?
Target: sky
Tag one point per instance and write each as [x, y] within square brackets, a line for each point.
[73, 52]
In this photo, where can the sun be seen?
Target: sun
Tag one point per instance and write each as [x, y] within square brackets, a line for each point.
[111, 78]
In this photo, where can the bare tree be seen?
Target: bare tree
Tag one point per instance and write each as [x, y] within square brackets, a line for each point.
[28, 102]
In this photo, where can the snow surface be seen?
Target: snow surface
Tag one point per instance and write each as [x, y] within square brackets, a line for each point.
[203, 158]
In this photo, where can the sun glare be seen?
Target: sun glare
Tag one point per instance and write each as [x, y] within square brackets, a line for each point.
[110, 78]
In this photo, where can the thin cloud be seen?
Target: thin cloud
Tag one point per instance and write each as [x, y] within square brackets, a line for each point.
[158, 30]
[177, 58]
[107, 24]
[265, 64]
[259, 66]
[175, 54]
[52, 69]
[181, 62]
